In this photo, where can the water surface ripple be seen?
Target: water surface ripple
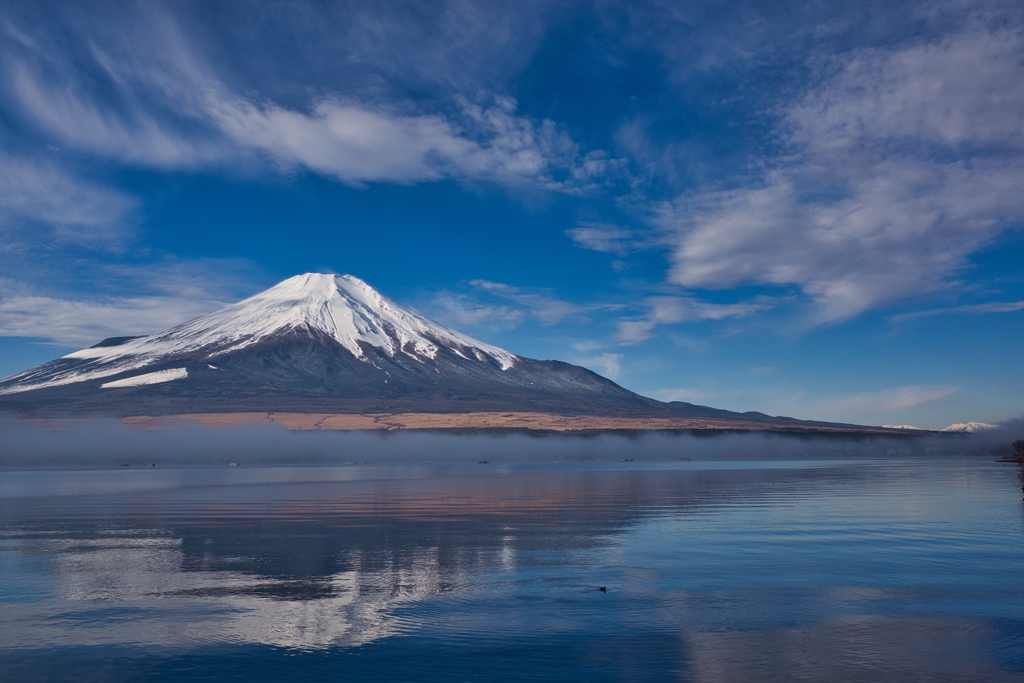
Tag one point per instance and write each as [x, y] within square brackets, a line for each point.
[905, 570]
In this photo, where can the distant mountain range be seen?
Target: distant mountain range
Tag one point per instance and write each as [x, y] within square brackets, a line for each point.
[968, 427]
[333, 345]
[958, 428]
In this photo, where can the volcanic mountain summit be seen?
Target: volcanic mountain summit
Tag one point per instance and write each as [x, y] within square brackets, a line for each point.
[313, 342]
[328, 345]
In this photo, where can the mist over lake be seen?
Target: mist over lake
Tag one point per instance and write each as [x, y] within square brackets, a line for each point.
[106, 442]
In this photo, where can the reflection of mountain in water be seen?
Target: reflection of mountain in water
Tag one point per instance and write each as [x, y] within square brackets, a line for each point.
[318, 564]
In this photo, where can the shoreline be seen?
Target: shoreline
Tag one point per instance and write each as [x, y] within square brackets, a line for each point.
[530, 422]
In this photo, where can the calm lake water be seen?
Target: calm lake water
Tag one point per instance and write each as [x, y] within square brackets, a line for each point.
[897, 570]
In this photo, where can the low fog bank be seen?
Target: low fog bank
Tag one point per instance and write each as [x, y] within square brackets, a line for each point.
[108, 443]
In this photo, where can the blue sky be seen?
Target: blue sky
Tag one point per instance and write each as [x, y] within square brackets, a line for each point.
[806, 208]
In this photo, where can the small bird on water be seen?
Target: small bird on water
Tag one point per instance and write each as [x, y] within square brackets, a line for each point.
[603, 589]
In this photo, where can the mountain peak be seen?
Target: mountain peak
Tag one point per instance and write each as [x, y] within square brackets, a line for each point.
[311, 284]
[350, 311]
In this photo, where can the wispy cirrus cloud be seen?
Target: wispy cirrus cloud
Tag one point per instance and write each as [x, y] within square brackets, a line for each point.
[498, 306]
[885, 400]
[890, 405]
[459, 309]
[991, 307]
[36, 195]
[611, 239]
[147, 97]
[131, 90]
[548, 309]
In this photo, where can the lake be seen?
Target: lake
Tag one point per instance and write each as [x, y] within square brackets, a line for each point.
[906, 569]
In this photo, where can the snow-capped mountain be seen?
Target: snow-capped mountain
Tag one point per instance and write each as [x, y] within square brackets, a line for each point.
[326, 344]
[969, 427]
[313, 343]
[902, 427]
[338, 307]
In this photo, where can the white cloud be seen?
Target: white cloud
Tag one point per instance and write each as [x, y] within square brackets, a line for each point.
[629, 332]
[607, 364]
[611, 239]
[669, 310]
[898, 165]
[351, 143]
[675, 309]
[358, 143]
[83, 323]
[963, 90]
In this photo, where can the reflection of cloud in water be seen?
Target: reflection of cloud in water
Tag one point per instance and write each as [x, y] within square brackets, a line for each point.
[114, 567]
[136, 593]
[358, 610]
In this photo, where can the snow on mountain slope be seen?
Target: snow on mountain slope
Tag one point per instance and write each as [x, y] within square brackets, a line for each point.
[341, 307]
[968, 427]
[158, 377]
